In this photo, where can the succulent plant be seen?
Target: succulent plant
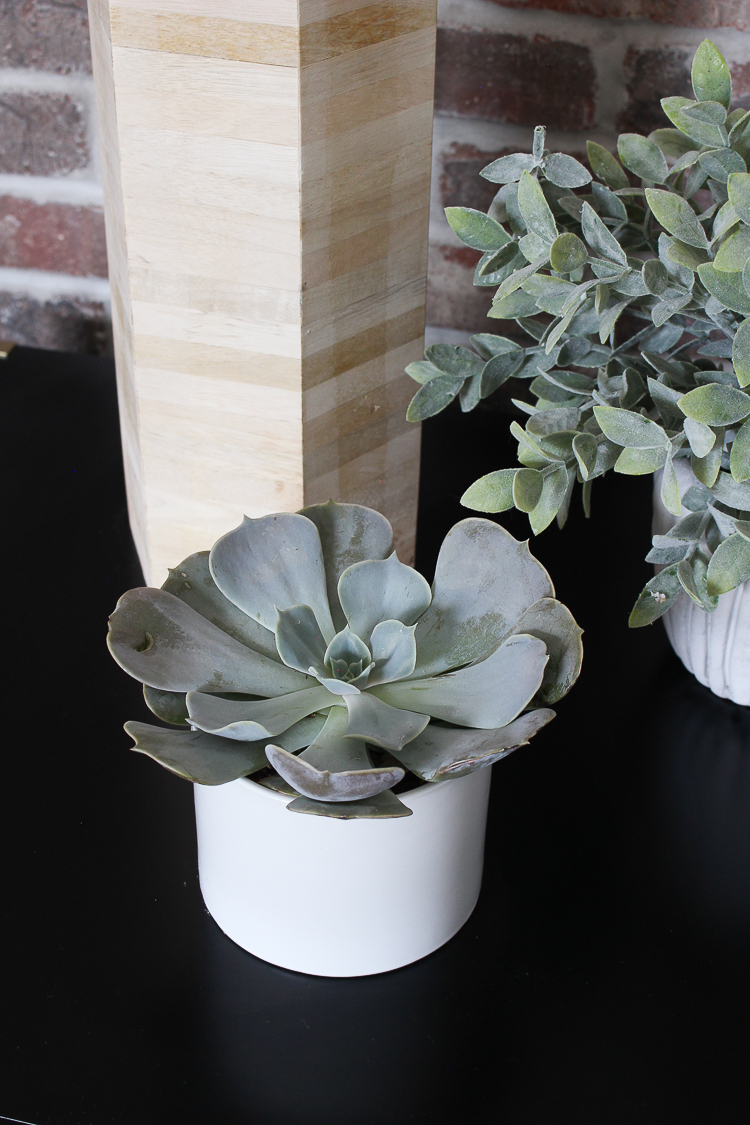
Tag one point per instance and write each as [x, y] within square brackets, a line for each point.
[633, 285]
[304, 632]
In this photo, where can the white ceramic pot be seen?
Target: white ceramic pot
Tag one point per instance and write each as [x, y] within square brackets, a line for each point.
[715, 647]
[341, 898]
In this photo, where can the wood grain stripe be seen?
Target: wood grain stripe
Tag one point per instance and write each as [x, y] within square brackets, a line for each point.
[205, 36]
[353, 30]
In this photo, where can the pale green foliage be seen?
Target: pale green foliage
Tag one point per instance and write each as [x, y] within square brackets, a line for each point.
[634, 295]
[301, 650]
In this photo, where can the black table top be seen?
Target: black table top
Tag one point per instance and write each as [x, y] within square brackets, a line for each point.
[603, 977]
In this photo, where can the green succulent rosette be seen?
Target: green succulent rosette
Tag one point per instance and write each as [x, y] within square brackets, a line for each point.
[300, 649]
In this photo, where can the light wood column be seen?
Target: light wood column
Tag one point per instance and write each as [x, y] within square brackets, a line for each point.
[266, 176]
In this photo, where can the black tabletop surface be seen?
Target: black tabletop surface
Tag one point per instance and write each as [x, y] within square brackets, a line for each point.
[603, 977]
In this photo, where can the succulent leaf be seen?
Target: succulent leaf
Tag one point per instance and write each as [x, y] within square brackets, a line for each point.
[249, 720]
[554, 624]
[442, 751]
[382, 806]
[271, 564]
[299, 641]
[159, 640]
[196, 756]
[382, 590]
[170, 706]
[394, 652]
[490, 693]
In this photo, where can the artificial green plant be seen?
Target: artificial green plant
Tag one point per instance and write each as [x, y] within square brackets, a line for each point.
[304, 632]
[631, 290]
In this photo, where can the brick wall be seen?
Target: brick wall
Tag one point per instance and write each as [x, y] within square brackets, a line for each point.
[53, 262]
[584, 68]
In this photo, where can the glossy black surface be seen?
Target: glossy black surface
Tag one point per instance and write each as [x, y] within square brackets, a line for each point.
[603, 977]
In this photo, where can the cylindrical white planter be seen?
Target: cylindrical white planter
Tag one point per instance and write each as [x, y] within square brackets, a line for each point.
[715, 647]
[341, 898]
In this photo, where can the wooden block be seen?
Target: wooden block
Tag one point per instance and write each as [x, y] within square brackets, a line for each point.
[266, 168]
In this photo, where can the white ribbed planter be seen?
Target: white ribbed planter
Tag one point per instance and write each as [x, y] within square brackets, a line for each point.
[341, 898]
[715, 647]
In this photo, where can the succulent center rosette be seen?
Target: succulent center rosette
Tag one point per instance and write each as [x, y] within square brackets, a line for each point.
[301, 650]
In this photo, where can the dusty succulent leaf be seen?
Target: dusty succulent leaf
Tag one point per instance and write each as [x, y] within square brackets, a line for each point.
[195, 756]
[422, 371]
[516, 304]
[508, 169]
[728, 491]
[599, 238]
[394, 652]
[741, 354]
[607, 203]
[535, 209]
[715, 405]
[729, 566]
[554, 488]
[553, 623]
[490, 693]
[687, 256]
[567, 253]
[380, 807]
[475, 229]
[626, 428]
[739, 460]
[434, 397]
[565, 171]
[734, 253]
[738, 187]
[383, 590]
[498, 369]
[491, 493]
[193, 584]
[348, 534]
[585, 448]
[677, 217]
[390, 728]
[656, 597]
[527, 489]
[705, 133]
[692, 577]
[671, 142]
[700, 436]
[642, 157]
[272, 563]
[640, 462]
[655, 276]
[743, 528]
[721, 163]
[442, 752]
[726, 287]
[706, 469]
[248, 721]
[484, 580]
[606, 166]
[159, 640]
[710, 75]
[169, 706]
[670, 489]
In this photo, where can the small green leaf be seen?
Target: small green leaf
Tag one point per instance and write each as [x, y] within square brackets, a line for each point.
[729, 566]
[422, 371]
[738, 186]
[688, 256]
[600, 238]
[642, 157]
[533, 247]
[656, 597]
[554, 489]
[564, 171]
[730, 492]
[727, 288]
[476, 229]
[452, 359]
[720, 163]
[517, 278]
[610, 318]
[743, 527]
[670, 489]
[739, 460]
[700, 436]
[679, 111]
[527, 489]
[715, 405]
[567, 253]
[491, 493]
[677, 217]
[655, 276]
[535, 209]
[640, 462]
[692, 576]
[741, 354]
[734, 252]
[671, 142]
[585, 448]
[508, 169]
[624, 427]
[433, 397]
[606, 167]
[712, 81]
[498, 369]
[515, 305]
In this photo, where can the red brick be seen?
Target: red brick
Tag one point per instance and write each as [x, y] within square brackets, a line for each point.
[45, 35]
[452, 299]
[41, 134]
[460, 182]
[684, 13]
[514, 79]
[65, 325]
[52, 236]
